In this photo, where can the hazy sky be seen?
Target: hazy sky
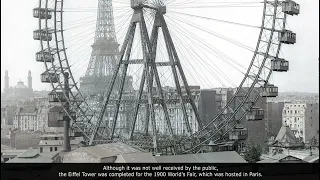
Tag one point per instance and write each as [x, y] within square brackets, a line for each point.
[18, 47]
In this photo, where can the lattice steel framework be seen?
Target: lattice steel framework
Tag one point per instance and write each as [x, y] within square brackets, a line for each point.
[150, 76]
[105, 50]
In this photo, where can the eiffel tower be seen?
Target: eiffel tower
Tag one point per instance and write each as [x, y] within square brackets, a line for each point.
[104, 56]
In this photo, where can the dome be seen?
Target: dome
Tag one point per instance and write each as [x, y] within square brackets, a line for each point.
[20, 85]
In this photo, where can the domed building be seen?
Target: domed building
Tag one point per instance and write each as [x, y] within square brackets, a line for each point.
[19, 91]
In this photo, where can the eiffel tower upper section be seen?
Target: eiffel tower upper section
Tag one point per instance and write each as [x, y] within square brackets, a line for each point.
[105, 50]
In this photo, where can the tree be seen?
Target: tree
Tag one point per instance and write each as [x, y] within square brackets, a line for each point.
[253, 153]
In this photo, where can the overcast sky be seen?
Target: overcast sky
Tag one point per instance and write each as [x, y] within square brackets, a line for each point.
[18, 48]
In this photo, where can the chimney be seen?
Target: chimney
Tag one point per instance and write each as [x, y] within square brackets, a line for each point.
[310, 151]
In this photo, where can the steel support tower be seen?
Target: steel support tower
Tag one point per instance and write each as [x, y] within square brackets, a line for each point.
[105, 50]
[150, 76]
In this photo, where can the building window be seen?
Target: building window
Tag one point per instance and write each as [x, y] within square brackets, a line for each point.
[41, 149]
[55, 148]
[51, 149]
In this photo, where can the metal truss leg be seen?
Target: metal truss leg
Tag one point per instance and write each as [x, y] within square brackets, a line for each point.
[176, 79]
[175, 54]
[124, 74]
[138, 101]
[114, 77]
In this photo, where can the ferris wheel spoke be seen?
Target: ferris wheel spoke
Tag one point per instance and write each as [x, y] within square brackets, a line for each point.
[201, 50]
[206, 2]
[216, 52]
[179, 19]
[216, 20]
[206, 65]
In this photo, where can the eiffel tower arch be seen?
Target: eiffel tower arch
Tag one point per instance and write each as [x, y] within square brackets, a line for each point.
[104, 56]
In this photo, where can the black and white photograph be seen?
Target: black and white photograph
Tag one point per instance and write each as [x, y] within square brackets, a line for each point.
[187, 82]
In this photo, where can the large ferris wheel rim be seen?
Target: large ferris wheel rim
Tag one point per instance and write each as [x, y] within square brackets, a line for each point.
[248, 71]
[45, 63]
[62, 68]
[78, 91]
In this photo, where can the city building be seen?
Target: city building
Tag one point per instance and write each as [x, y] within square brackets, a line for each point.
[19, 91]
[205, 101]
[296, 97]
[223, 96]
[25, 119]
[274, 118]
[42, 117]
[284, 141]
[257, 129]
[53, 141]
[32, 115]
[7, 114]
[53, 116]
[24, 140]
[303, 119]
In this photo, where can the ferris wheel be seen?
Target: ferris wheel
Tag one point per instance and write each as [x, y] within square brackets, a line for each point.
[163, 44]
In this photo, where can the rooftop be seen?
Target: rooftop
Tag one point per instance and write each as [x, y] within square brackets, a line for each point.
[56, 109]
[30, 109]
[311, 159]
[286, 138]
[12, 152]
[59, 142]
[20, 85]
[32, 156]
[279, 157]
[95, 154]
[136, 158]
[213, 157]
[4, 147]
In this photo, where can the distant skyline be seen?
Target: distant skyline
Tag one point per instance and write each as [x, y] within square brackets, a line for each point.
[18, 48]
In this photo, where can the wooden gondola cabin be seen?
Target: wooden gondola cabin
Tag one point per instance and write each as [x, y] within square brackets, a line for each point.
[290, 7]
[136, 3]
[44, 57]
[63, 116]
[269, 90]
[279, 65]
[55, 96]
[42, 13]
[49, 78]
[255, 114]
[42, 35]
[238, 133]
[287, 37]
